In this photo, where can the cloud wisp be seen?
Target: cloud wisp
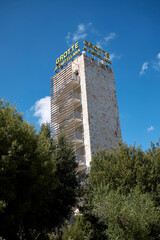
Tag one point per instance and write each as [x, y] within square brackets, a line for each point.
[99, 44]
[102, 43]
[80, 33]
[143, 68]
[150, 129]
[110, 36]
[113, 56]
[83, 30]
[42, 110]
[105, 40]
[156, 64]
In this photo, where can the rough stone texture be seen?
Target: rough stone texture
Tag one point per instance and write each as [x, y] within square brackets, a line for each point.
[78, 64]
[101, 124]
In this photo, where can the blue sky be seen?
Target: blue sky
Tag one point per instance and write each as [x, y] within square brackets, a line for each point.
[34, 33]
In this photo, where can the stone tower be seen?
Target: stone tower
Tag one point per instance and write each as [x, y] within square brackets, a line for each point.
[84, 106]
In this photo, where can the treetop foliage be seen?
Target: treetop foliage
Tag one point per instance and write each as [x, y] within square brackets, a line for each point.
[126, 168]
[37, 178]
[123, 193]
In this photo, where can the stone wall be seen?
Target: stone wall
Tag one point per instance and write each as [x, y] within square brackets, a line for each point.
[99, 106]
[78, 65]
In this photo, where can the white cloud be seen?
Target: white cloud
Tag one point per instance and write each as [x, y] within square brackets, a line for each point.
[102, 44]
[151, 128]
[104, 41]
[156, 65]
[83, 30]
[99, 44]
[110, 36]
[42, 110]
[124, 116]
[95, 32]
[68, 37]
[144, 67]
[80, 33]
[113, 55]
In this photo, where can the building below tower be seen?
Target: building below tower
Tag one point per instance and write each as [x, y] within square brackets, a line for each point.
[84, 107]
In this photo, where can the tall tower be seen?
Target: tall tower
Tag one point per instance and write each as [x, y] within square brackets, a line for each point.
[84, 106]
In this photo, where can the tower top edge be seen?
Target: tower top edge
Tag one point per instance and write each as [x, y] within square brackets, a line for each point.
[89, 59]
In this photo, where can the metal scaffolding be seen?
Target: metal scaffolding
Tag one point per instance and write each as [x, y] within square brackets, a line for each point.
[64, 100]
[66, 110]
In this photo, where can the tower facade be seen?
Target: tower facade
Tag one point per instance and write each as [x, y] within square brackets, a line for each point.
[84, 107]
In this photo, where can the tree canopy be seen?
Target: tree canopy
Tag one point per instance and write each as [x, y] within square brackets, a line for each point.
[122, 196]
[38, 187]
[38, 181]
[123, 193]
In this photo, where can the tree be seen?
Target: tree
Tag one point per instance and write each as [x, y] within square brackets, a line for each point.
[37, 178]
[132, 216]
[128, 167]
[122, 199]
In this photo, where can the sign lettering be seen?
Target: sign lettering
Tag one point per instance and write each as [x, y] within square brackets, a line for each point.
[67, 55]
[95, 51]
